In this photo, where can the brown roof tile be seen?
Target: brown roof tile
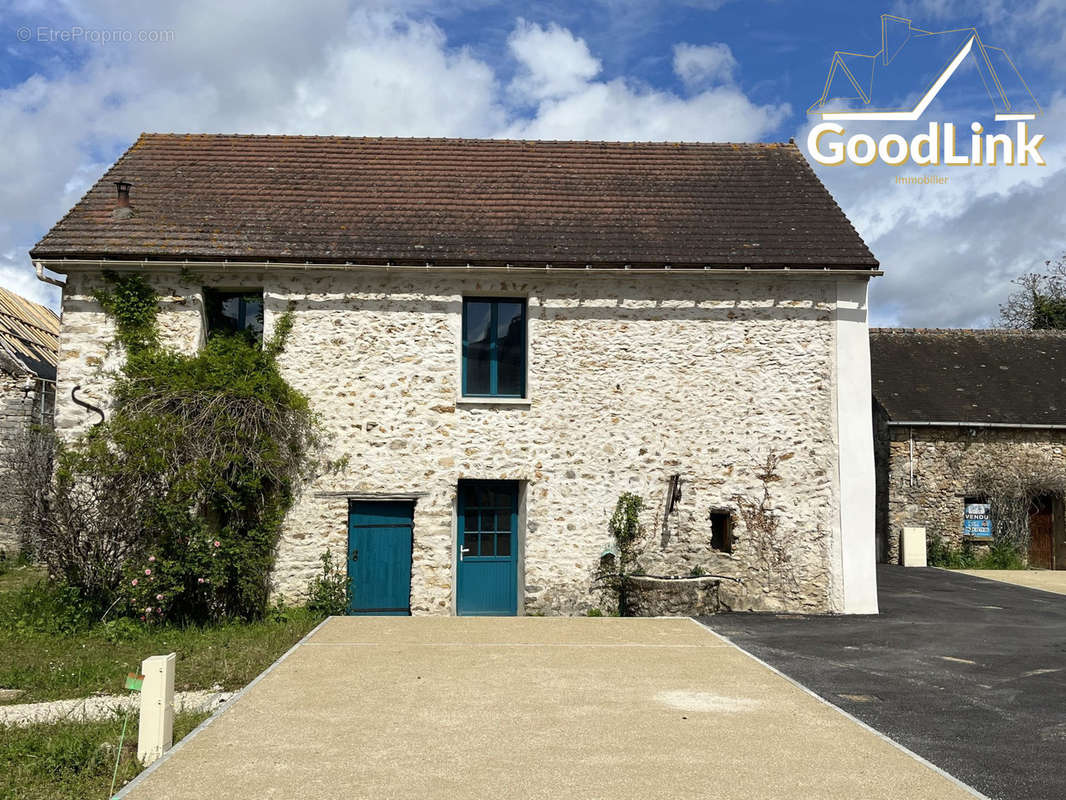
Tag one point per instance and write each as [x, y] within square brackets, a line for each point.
[455, 201]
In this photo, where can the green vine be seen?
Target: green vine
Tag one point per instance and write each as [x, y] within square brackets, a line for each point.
[203, 453]
[616, 569]
[133, 305]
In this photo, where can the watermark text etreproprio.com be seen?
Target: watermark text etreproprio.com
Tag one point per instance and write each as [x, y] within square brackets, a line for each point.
[76, 33]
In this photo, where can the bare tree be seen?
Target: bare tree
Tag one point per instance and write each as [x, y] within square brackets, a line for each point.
[1039, 301]
[26, 466]
[1011, 484]
[772, 552]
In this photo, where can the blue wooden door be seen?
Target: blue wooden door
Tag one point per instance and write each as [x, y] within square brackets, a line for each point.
[379, 557]
[488, 548]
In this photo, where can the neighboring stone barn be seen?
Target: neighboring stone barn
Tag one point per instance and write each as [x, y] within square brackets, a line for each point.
[502, 337]
[29, 337]
[949, 403]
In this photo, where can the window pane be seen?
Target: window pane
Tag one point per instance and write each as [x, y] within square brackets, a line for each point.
[486, 521]
[234, 311]
[503, 544]
[470, 522]
[470, 543]
[511, 349]
[487, 546]
[477, 345]
[253, 315]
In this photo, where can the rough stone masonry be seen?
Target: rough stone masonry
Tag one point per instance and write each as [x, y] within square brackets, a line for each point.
[631, 379]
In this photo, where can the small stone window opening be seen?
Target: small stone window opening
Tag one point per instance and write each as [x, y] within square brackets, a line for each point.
[722, 530]
[235, 311]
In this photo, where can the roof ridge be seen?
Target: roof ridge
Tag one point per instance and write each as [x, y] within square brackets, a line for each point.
[975, 331]
[485, 140]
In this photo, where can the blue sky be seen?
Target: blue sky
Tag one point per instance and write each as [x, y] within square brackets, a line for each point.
[709, 70]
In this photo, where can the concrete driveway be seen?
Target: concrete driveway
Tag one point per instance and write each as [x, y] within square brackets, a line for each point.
[531, 708]
[969, 673]
[1046, 579]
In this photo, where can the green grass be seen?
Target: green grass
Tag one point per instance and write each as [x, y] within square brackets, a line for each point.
[51, 649]
[72, 760]
[15, 575]
[50, 667]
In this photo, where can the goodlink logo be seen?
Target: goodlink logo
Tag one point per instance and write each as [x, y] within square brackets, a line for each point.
[907, 51]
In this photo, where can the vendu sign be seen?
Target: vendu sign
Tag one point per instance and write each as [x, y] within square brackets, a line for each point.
[977, 520]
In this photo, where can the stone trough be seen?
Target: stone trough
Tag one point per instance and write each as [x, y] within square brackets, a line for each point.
[674, 597]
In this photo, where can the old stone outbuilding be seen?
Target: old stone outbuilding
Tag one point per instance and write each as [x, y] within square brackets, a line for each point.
[502, 337]
[29, 344]
[949, 406]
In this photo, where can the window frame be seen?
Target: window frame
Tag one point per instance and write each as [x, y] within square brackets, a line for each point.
[493, 396]
[242, 293]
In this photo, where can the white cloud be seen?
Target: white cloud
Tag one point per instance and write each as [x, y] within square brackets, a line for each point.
[350, 68]
[553, 62]
[559, 78]
[701, 65]
[949, 251]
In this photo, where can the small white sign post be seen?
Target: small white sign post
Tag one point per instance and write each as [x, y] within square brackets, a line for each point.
[155, 732]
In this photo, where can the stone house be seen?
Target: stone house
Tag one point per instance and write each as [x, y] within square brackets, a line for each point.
[502, 337]
[29, 344]
[948, 403]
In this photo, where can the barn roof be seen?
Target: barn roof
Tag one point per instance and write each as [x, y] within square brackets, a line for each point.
[29, 332]
[462, 201]
[992, 376]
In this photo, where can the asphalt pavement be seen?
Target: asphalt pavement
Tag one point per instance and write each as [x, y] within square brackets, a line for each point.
[966, 672]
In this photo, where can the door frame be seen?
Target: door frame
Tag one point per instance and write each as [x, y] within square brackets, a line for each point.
[520, 543]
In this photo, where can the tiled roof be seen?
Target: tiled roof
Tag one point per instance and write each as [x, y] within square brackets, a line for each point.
[954, 375]
[458, 201]
[30, 332]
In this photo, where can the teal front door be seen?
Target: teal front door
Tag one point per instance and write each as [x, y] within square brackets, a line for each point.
[487, 582]
[379, 557]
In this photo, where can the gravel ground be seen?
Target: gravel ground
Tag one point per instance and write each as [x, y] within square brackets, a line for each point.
[102, 707]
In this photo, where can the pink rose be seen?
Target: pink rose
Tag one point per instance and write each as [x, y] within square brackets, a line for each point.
[133, 582]
[218, 543]
[148, 572]
[199, 580]
[159, 597]
[148, 610]
[151, 558]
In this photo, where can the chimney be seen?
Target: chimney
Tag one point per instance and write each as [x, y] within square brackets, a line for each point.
[122, 201]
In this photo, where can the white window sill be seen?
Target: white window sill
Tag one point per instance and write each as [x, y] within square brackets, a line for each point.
[493, 401]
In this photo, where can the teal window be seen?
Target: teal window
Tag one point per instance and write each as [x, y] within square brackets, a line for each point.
[235, 312]
[494, 347]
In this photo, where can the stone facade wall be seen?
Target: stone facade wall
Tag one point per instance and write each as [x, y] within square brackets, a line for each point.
[631, 380]
[944, 463]
[21, 399]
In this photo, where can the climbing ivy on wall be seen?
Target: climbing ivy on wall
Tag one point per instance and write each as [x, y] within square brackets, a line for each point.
[208, 452]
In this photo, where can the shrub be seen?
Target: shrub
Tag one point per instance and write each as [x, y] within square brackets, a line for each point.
[327, 594]
[1002, 554]
[175, 503]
